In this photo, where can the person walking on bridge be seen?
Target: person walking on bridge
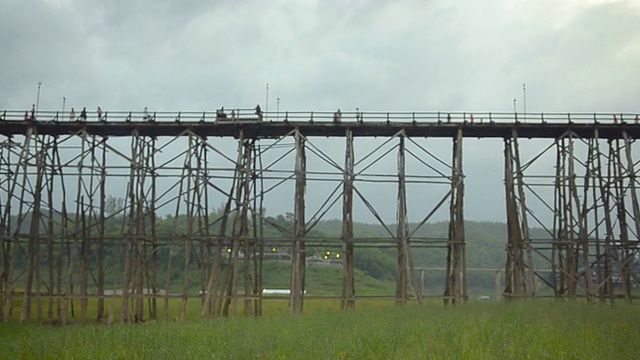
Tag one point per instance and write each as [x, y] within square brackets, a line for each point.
[72, 115]
[259, 112]
[145, 115]
[33, 113]
[83, 114]
[337, 117]
[99, 111]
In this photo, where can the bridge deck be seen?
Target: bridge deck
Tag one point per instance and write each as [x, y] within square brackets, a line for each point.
[277, 129]
[370, 124]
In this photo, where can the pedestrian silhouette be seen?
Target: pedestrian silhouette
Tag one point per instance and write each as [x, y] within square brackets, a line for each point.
[337, 117]
[145, 114]
[33, 113]
[259, 112]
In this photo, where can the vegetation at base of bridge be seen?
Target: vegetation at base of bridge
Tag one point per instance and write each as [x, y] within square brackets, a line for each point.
[539, 329]
[375, 267]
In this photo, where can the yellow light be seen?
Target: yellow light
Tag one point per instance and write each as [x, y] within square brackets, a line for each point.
[274, 249]
[328, 252]
[337, 256]
[228, 250]
[326, 257]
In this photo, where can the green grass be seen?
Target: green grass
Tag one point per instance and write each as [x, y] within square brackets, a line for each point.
[515, 330]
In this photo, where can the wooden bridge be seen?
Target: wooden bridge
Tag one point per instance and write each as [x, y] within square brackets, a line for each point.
[57, 225]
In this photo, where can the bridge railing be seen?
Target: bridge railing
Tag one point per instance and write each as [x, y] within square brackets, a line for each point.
[368, 117]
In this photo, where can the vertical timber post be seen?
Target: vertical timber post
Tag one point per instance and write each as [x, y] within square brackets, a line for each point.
[10, 236]
[101, 228]
[247, 244]
[635, 215]
[570, 219]
[402, 281]
[456, 272]
[583, 223]
[599, 208]
[257, 226]
[348, 280]
[34, 237]
[515, 270]
[298, 254]
[626, 249]
[529, 283]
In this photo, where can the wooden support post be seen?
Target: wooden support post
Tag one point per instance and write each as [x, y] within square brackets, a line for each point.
[609, 250]
[626, 249]
[458, 177]
[529, 287]
[50, 176]
[518, 281]
[101, 228]
[33, 242]
[188, 178]
[632, 245]
[456, 283]
[632, 180]
[232, 273]
[558, 231]
[81, 229]
[298, 253]
[348, 265]
[247, 244]
[7, 223]
[200, 215]
[584, 210]
[258, 225]
[227, 290]
[5, 243]
[402, 277]
[512, 229]
[130, 238]
[138, 232]
[20, 175]
[570, 218]
[153, 238]
[599, 208]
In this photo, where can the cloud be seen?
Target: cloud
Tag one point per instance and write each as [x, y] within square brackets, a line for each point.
[406, 55]
[389, 55]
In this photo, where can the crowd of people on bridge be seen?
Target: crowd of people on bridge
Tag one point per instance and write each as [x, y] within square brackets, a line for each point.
[221, 115]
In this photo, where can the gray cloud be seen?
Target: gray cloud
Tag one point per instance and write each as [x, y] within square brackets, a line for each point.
[321, 55]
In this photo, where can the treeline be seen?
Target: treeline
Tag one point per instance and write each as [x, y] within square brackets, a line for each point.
[485, 242]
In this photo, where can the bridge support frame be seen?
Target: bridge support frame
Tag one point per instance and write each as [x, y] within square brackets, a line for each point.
[591, 204]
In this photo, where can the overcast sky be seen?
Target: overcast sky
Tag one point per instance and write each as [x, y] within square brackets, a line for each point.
[573, 55]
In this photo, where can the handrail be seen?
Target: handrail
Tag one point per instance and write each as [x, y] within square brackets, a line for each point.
[368, 117]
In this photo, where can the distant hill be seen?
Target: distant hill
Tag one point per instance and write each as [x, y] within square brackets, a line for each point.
[485, 241]
[485, 248]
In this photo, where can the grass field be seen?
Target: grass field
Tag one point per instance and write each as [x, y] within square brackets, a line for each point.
[515, 330]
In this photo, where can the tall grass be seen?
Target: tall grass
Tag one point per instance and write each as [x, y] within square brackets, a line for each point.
[516, 330]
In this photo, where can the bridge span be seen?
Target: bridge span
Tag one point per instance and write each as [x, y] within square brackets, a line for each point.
[309, 123]
[81, 202]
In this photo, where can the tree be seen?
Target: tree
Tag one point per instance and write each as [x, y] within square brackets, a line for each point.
[113, 205]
